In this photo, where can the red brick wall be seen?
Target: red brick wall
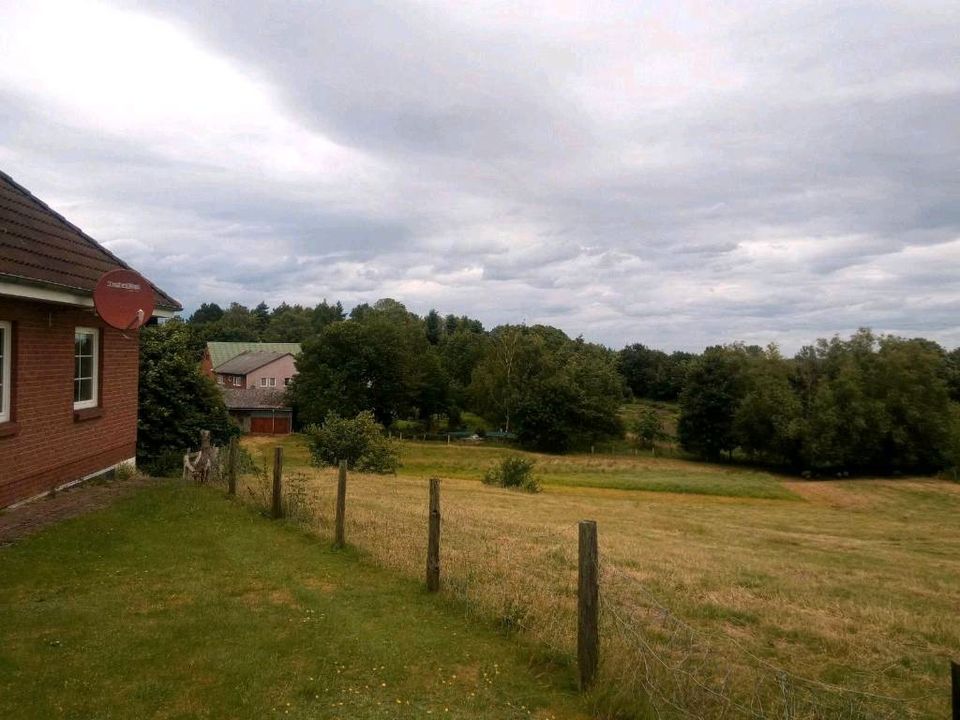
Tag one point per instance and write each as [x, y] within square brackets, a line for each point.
[45, 445]
[206, 364]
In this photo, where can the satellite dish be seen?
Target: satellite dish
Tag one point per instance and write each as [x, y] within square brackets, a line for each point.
[124, 299]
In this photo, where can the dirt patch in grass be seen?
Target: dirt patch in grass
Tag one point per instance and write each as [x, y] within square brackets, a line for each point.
[318, 585]
[261, 597]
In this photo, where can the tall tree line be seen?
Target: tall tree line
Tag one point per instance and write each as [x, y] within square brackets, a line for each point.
[285, 323]
[864, 404]
[552, 392]
[867, 404]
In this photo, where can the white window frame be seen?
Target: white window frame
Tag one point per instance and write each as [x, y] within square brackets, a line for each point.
[219, 379]
[94, 400]
[6, 374]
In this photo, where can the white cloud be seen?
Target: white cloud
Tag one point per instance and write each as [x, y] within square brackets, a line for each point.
[676, 173]
[143, 79]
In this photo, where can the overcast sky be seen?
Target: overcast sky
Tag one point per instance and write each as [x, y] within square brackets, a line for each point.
[673, 173]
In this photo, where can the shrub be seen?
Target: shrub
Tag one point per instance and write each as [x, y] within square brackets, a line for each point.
[296, 496]
[648, 428]
[176, 401]
[360, 441]
[513, 472]
[167, 463]
[124, 471]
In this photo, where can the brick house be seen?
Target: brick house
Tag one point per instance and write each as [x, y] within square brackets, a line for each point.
[257, 369]
[253, 377]
[216, 355]
[68, 382]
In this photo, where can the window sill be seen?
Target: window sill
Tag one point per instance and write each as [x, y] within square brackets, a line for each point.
[9, 429]
[87, 414]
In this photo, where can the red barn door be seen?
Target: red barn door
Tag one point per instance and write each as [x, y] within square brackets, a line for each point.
[277, 425]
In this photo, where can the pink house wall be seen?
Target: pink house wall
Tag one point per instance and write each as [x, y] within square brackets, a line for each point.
[281, 368]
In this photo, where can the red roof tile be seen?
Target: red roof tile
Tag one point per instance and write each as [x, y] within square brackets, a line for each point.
[38, 245]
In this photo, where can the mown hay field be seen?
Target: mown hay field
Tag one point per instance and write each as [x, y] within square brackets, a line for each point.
[724, 592]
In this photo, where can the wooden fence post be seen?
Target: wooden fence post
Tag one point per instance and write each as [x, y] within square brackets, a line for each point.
[232, 467]
[277, 482]
[341, 504]
[955, 688]
[433, 537]
[588, 629]
[203, 464]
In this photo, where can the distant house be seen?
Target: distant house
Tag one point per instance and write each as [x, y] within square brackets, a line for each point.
[252, 370]
[257, 369]
[68, 381]
[253, 377]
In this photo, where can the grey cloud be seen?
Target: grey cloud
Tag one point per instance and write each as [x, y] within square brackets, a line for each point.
[399, 77]
[776, 198]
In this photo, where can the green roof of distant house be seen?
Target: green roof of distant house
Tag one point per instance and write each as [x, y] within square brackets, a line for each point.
[220, 352]
[247, 362]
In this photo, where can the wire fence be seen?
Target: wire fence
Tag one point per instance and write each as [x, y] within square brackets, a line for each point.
[523, 575]
[680, 676]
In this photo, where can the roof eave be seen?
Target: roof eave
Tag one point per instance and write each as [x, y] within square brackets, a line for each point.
[174, 305]
[27, 288]
[260, 407]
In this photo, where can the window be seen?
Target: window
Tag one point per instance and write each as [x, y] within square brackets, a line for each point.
[86, 361]
[237, 380]
[268, 382]
[6, 360]
[286, 381]
[219, 379]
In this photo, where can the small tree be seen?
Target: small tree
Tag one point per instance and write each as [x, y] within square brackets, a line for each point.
[648, 428]
[359, 440]
[513, 472]
[176, 400]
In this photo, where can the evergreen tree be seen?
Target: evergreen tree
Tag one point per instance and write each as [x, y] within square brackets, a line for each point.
[434, 327]
[176, 400]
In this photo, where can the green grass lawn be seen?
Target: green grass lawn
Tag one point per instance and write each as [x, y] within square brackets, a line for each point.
[177, 603]
[614, 471]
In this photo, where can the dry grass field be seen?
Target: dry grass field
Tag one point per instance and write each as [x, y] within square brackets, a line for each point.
[724, 592]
